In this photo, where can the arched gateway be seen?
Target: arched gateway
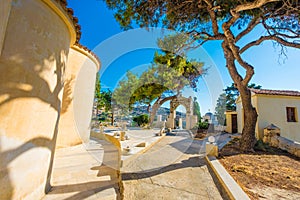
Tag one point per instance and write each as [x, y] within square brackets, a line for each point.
[191, 120]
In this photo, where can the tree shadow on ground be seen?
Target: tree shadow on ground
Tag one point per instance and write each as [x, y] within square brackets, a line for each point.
[85, 190]
[108, 173]
[189, 146]
[190, 162]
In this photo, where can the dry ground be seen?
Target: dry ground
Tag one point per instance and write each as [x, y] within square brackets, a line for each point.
[268, 173]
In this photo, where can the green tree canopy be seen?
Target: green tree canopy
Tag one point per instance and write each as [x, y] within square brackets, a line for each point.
[166, 78]
[97, 95]
[196, 110]
[106, 100]
[221, 108]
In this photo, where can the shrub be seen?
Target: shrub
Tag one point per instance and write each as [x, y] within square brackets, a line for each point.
[203, 125]
[141, 119]
[261, 146]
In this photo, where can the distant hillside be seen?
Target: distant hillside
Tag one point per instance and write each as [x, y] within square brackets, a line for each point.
[161, 111]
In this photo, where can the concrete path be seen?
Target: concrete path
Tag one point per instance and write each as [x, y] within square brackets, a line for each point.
[85, 172]
[171, 169]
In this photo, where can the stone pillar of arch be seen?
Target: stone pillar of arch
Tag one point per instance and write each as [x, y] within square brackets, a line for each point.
[171, 118]
[180, 123]
[191, 120]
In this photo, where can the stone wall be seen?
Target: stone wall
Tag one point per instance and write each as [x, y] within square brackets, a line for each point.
[35, 38]
[273, 138]
[78, 96]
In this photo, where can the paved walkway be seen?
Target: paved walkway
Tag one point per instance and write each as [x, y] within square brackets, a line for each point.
[171, 169]
[85, 172]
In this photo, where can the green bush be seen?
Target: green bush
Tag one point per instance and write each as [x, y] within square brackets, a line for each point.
[141, 119]
[261, 146]
[203, 125]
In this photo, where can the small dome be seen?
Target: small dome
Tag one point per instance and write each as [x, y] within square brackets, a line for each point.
[208, 114]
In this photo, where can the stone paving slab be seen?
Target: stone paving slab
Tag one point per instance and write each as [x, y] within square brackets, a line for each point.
[137, 137]
[85, 172]
[88, 172]
[171, 169]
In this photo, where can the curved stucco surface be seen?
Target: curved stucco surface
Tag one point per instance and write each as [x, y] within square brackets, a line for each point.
[35, 45]
[76, 113]
[84, 98]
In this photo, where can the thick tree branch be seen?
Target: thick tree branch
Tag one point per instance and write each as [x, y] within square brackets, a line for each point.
[161, 100]
[235, 12]
[269, 37]
[194, 32]
[230, 40]
[279, 31]
[255, 21]
[236, 77]
[213, 17]
[204, 37]
[252, 5]
[248, 76]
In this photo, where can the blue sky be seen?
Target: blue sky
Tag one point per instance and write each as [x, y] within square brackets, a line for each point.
[121, 51]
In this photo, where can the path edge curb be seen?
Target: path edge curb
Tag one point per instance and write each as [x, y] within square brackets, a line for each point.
[230, 186]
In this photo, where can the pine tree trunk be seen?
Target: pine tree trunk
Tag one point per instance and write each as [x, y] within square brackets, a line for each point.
[250, 115]
[153, 111]
[112, 118]
[248, 139]
[97, 112]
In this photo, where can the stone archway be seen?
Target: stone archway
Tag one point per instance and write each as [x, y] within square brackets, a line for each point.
[191, 119]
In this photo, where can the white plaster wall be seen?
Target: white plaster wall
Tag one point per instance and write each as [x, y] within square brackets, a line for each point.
[78, 99]
[5, 6]
[84, 98]
[32, 63]
[272, 109]
[240, 118]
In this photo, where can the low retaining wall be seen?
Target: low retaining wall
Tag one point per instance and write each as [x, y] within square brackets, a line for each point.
[106, 137]
[273, 138]
[111, 139]
[284, 144]
[114, 141]
[230, 188]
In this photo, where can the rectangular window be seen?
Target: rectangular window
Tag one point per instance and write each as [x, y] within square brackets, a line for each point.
[291, 114]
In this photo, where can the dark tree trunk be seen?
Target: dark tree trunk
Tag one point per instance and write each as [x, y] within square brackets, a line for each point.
[152, 113]
[157, 105]
[112, 118]
[250, 115]
[97, 111]
[248, 139]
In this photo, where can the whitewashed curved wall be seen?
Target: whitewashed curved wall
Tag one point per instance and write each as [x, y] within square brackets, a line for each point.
[35, 38]
[76, 114]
